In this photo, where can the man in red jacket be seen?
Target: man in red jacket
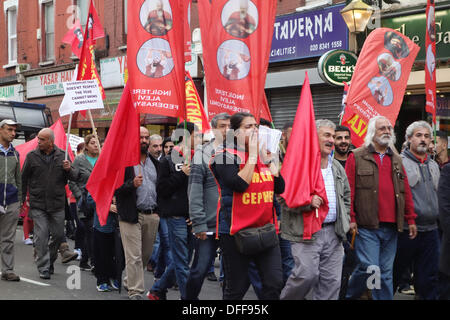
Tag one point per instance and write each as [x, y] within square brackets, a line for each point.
[381, 203]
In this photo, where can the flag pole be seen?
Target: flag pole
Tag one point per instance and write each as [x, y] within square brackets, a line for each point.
[94, 131]
[68, 135]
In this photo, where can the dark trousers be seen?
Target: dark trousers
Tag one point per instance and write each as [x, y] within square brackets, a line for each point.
[444, 286]
[87, 247]
[235, 264]
[205, 253]
[423, 252]
[104, 256]
[79, 229]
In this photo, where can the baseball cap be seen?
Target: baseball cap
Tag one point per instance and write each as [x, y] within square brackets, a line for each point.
[9, 122]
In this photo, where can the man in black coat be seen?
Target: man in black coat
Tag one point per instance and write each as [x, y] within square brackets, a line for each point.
[444, 217]
[138, 217]
[45, 174]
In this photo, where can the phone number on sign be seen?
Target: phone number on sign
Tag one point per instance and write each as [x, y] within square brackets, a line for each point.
[325, 46]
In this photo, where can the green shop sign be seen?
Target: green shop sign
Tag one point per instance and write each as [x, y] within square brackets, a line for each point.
[414, 27]
[337, 66]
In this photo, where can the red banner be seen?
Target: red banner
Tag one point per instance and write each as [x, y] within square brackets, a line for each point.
[430, 65]
[194, 108]
[265, 110]
[74, 37]
[187, 7]
[379, 81]
[236, 39]
[94, 30]
[155, 51]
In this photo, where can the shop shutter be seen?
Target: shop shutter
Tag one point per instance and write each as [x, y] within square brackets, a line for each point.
[283, 103]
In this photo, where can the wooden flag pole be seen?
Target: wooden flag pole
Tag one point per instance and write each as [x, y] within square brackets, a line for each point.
[94, 131]
[68, 135]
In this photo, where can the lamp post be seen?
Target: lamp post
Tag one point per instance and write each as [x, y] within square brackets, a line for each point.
[356, 15]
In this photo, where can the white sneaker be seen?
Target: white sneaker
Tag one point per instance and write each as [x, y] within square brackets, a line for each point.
[79, 253]
[28, 241]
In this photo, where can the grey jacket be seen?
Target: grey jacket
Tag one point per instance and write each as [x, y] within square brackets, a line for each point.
[292, 218]
[202, 191]
[84, 169]
[423, 180]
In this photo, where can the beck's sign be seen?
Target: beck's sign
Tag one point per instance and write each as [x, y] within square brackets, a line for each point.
[337, 66]
[310, 34]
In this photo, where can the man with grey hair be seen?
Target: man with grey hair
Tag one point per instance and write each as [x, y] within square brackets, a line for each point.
[381, 202]
[318, 262]
[155, 147]
[203, 200]
[10, 197]
[45, 174]
[423, 251]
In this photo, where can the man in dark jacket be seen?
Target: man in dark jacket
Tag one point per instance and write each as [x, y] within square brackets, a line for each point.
[444, 218]
[172, 189]
[138, 217]
[45, 174]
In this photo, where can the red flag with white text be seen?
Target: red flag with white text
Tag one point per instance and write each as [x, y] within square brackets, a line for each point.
[155, 50]
[236, 40]
[430, 61]
[379, 80]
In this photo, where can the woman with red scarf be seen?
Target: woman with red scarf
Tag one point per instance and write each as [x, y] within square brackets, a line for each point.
[247, 183]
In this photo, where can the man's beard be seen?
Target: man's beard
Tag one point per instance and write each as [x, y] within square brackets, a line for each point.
[144, 148]
[421, 149]
[384, 140]
[339, 149]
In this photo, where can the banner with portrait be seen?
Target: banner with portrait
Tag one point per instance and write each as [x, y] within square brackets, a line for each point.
[155, 54]
[430, 61]
[379, 80]
[236, 40]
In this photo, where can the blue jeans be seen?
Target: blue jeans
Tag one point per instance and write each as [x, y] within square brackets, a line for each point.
[374, 247]
[286, 258]
[205, 252]
[181, 245]
[423, 252]
[164, 255]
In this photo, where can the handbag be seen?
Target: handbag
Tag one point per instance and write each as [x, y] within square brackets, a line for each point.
[251, 241]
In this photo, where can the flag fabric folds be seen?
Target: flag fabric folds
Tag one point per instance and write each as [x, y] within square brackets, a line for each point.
[121, 150]
[379, 80]
[74, 37]
[301, 167]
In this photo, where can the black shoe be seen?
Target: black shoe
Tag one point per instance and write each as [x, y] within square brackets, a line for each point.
[51, 270]
[85, 266]
[211, 276]
[44, 274]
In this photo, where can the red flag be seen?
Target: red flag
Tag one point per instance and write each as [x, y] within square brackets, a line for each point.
[430, 62]
[74, 37]
[156, 56]
[236, 39]
[302, 175]
[187, 7]
[265, 110]
[60, 142]
[121, 150]
[94, 27]
[379, 81]
[86, 68]
[194, 107]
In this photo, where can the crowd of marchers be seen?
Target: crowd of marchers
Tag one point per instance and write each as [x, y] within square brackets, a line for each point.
[191, 201]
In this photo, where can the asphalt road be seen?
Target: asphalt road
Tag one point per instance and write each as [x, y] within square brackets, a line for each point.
[70, 283]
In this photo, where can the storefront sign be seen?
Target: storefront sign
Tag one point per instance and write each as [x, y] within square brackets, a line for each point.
[310, 34]
[50, 84]
[414, 27]
[112, 72]
[12, 93]
[337, 66]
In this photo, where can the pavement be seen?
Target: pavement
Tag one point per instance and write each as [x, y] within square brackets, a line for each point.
[70, 283]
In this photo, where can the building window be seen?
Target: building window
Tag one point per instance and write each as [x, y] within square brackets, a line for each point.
[12, 36]
[49, 19]
[83, 8]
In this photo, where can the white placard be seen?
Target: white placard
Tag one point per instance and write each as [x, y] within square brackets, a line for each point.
[270, 138]
[80, 95]
[75, 141]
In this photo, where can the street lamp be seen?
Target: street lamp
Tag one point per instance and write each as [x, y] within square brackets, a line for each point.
[356, 15]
